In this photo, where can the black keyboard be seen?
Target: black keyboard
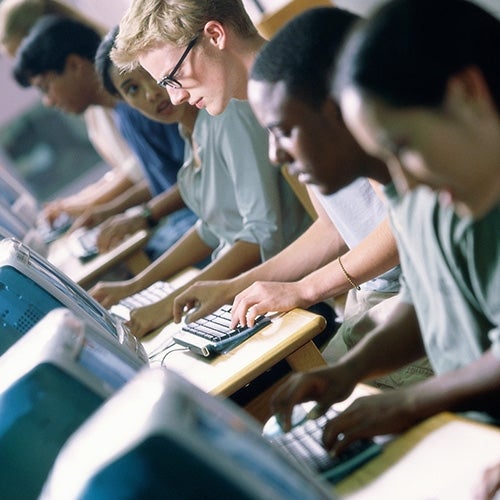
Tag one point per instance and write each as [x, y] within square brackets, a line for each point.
[303, 443]
[213, 333]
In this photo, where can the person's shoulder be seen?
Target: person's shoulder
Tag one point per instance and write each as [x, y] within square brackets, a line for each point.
[486, 228]
[237, 107]
[238, 115]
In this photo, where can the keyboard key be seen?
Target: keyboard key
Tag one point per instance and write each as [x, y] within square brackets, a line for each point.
[304, 444]
[213, 333]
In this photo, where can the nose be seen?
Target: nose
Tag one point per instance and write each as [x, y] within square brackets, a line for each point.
[152, 92]
[178, 96]
[277, 154]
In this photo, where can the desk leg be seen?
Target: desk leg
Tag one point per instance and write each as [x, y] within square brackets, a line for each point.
[306, 357]
[260, 406]
[137, 262]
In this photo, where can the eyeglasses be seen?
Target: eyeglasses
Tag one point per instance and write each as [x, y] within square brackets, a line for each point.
[169, 80]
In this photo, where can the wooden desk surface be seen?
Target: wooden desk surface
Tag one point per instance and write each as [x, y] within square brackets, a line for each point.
[84, 273]
[440, 459]
[289, 336]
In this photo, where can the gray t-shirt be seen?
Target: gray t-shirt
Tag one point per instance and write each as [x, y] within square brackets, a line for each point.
[451, 271]
[235, 191]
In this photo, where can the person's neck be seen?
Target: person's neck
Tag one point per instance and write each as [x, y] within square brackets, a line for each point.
[376, 169]
[104, 98]
[189, 119]
[246, 51]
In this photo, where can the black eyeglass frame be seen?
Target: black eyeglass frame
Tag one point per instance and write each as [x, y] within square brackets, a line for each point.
[169, 80]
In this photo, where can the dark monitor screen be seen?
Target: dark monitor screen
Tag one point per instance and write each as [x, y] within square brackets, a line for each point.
[201, 447]
[37, 415]
[144, 473]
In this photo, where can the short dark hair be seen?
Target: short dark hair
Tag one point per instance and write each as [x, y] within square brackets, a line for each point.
[103, 62]
[303, 52]
[406, 51]
[49, 43]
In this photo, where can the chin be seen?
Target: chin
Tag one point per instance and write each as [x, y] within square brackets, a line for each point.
[216, 108]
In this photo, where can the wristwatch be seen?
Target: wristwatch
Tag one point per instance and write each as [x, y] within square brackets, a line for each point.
[148, 216]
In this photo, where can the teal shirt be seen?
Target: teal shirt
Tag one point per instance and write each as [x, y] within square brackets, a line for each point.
[451, 270]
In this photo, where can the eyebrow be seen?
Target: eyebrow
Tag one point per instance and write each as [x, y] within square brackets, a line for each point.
[125, 83]
[272, 125]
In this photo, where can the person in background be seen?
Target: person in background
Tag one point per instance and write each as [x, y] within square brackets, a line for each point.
[440, 138]
[247, 211]
[163, 208]
[17, 17]
[58, 58]
[140, 92]
[289, 92]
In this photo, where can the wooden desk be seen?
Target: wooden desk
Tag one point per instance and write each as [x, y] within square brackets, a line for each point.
[288, 337]
[440, 459]
[86, 273]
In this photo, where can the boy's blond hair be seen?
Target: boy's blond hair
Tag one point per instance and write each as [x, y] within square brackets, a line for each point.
[149, 23]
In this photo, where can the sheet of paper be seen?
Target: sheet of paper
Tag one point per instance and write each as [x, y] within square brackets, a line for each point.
[444, 464]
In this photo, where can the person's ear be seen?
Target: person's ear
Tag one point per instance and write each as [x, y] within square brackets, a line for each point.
[332, 110]
[215, 32]
[467, 92]
[74, 63]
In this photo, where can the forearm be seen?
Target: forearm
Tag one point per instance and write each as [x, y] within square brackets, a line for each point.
[166, 203]
[316, 246]
[390, 346]
[104, 190]
[189, 250]
[376, 254]
[135, 195]
[240, 257]
[473, 387]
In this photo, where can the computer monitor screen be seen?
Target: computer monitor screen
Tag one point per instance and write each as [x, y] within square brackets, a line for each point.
[144, 473]
[37, 415]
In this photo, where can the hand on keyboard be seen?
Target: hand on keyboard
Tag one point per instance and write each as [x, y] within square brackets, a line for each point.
[304, 444]
[214, 334]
